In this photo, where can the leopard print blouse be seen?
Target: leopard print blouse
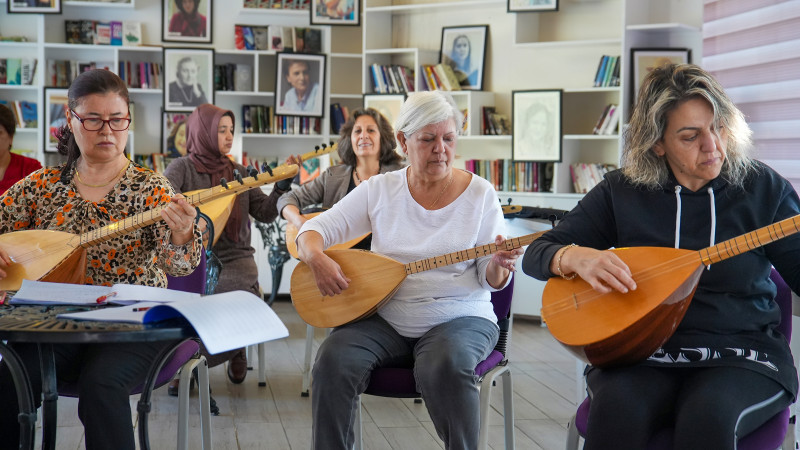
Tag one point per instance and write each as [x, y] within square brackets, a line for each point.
[42, 201]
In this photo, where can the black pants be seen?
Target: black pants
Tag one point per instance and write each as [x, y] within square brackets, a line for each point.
[105, 375]
[631, 404]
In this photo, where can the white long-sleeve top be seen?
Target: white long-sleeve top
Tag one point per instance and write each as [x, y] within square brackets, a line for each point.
[405, 231]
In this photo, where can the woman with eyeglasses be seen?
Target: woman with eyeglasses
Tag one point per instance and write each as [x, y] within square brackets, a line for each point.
[98, 186]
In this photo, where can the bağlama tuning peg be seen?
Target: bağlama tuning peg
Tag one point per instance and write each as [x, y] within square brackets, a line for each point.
[266, 168]
[224, 183]
[251, 171]
[238, 176]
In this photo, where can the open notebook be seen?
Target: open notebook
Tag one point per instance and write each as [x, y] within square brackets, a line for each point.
[47, 293]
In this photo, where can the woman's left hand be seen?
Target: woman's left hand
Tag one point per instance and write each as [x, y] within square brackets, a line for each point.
[179, 216]
[502, 262]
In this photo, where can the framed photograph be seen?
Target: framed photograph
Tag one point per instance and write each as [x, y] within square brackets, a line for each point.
[300, 80]
[532, 5]
[536, 125]
[464, 50]
[173, 134]
[186, 21]
[386, 104]
[644, 60]
[33, 6]
[55, 116]
[188, 78]
[335, 12]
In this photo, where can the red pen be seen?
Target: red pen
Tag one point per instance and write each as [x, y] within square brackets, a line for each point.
[141, 309]
[103, 298]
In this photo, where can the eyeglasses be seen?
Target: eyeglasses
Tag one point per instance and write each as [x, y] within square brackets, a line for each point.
[116, 124]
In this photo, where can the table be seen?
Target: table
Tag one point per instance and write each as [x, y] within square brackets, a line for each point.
[39, 324]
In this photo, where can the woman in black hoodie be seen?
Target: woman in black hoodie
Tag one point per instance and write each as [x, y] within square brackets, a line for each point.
[687, 181]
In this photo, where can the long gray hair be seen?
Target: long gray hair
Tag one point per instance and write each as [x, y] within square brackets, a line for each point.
[424, 108]
[663, 90]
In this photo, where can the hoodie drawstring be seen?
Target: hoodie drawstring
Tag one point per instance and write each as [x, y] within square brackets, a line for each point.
[713, 207]
[678, 217]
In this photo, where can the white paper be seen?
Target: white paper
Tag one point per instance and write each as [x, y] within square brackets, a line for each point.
[223, 322]
[43, 292]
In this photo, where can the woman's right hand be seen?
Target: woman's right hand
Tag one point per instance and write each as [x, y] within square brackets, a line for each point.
[329, 276]
[603, 270]
[5, 262]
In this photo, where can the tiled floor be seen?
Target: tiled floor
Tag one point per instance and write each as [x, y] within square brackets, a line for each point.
[277, 417]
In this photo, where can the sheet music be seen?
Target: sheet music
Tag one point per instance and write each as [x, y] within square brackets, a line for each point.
[223, 322]
[48, 293]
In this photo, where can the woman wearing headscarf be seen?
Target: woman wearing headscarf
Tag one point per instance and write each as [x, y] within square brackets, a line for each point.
[209, 139]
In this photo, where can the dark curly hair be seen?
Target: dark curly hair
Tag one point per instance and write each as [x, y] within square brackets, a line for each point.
[388, 143]
[95, 81]
[179, 5]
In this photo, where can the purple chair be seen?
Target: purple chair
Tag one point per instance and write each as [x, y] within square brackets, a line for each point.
[769, 436]
[399, 381]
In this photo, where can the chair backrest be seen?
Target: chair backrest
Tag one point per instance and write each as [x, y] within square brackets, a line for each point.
[194, 282]
[501, 300]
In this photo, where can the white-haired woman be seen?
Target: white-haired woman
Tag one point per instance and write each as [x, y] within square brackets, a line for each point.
[440, 320]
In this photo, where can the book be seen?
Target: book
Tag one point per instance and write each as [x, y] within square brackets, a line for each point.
[87, 32]
[288, 38]
[243, 78]
[299, 39]
[116, 33]
[131, 33]
[598, 77]
[275, 38]
[312, 40]
[29, 117]
[249, 39]
[13, 75]
[3, 71]
[27, 70]
[261, 38]
[449, 77]
[102, 33]
[212, 317]
[48, 293]
[72, 30]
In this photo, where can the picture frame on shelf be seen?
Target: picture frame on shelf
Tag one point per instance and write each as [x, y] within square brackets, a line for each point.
[532, 5]
[644, 60]
[180, 25]
[536, 125]
[300, 84]
[464, 50]
[173, 134]
[188, 78]
[55, 116]
[336, 12]
[33, 6]
[387, 104]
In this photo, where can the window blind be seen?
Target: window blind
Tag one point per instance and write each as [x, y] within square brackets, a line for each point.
[753, 48]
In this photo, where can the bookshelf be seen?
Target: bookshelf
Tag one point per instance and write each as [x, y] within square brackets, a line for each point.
[46, 40]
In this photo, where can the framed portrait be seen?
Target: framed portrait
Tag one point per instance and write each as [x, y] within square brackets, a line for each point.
[186, 21]
[188, 78]
[55, 116]
[464, 50]
[299, 84]
[33, 6]
[532, 5]
[336, 12]
[386, 104]
[644, 60]
[536, 125]
[173, 134]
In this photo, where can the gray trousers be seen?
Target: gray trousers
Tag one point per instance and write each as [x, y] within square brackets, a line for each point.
[444, 361]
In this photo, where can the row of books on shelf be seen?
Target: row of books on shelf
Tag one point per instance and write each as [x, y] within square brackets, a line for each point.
[17, 70]
[141, 74]
[154, 161]
[233, 77]
[60, 73]
[262, 119]
[607, 72]
[439, 77]
[25, 112]
[493, 123]
[392, 79]
[278, 38]
[277, 4]
[509, 175]
[608, 122]
[339, 116]
[95, 32]
[585, 176]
